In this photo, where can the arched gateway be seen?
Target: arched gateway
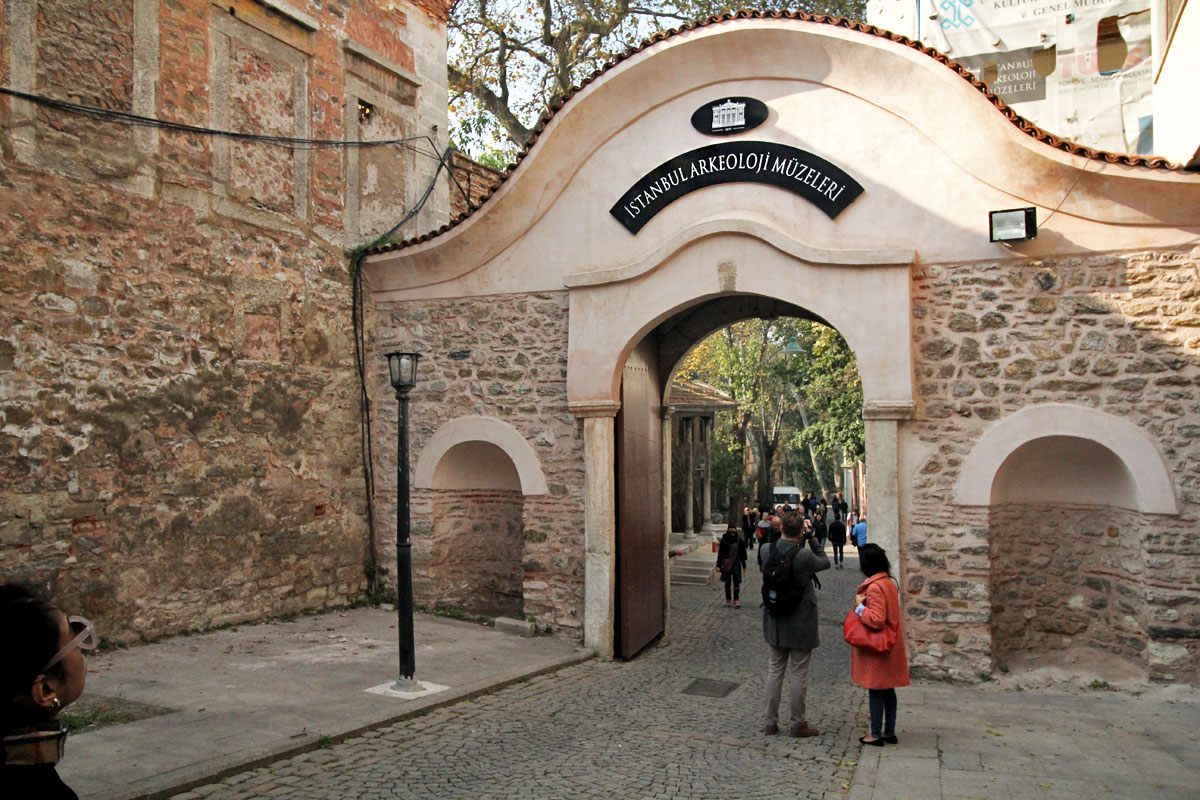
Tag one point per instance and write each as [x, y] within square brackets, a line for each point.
[754, 165]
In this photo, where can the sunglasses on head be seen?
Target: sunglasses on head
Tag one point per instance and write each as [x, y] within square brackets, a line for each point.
[85, 639]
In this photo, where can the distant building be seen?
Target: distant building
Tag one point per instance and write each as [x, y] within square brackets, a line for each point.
[1114, 74]
[693, 406]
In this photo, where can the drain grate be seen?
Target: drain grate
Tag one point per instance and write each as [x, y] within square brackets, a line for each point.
[707, 687]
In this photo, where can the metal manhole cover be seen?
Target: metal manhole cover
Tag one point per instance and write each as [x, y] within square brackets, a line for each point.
[707, 687]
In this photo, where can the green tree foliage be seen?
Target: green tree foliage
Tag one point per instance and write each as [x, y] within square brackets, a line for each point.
[508, 59]
[799, 403]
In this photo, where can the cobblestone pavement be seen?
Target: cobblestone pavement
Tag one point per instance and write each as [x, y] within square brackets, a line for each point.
[600, 730]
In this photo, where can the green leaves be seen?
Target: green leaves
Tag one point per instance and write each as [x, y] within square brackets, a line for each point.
[806, 405]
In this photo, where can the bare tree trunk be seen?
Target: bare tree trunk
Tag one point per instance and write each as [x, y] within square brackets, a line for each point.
[812, 454]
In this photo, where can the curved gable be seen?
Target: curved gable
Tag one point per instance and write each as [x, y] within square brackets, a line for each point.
[932, 150]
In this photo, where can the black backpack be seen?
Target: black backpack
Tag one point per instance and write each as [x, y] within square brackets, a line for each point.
[781, 590]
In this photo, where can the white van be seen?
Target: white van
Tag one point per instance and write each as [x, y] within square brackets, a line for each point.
[786, 494]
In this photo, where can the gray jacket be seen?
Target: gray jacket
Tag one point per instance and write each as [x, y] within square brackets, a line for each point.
[798, 630]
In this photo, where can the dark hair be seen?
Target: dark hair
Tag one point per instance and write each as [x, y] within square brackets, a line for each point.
[793, 524]
[873, 560]
[29, 628]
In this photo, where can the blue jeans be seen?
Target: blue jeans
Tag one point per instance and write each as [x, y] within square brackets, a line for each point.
[839, 552]
[883, 709]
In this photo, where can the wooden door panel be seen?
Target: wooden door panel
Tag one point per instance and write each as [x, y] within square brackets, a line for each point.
[640, 600]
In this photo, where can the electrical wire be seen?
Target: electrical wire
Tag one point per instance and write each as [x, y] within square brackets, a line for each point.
[358, 311]
[294, 143]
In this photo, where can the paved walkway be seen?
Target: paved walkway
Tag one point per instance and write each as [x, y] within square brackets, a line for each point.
[603, 730]
[596, 729]
[252, 694]
[986, 743]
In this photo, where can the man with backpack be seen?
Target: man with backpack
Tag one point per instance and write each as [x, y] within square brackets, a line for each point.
[790, 617]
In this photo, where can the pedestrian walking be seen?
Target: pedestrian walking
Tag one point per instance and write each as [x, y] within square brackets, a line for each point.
[878, 606]
[42, 672]
[731, 559]
[858, 534]
[762, 532]
[837, 540]
[790, 620]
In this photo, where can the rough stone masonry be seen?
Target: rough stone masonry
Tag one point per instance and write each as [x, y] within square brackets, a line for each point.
[179, 424]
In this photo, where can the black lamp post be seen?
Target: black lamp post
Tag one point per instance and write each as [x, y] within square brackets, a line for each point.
[402, 368]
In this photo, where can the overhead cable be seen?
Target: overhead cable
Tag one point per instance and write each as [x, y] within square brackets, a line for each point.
[294, 143]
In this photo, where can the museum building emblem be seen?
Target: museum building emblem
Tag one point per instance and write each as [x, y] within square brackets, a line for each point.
[729, 115]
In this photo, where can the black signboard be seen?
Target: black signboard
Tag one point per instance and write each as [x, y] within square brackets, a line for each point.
[729, 115]
[823, 184]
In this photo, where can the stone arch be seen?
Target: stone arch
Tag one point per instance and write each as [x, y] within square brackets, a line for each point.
[477, 473]
[723, 258]
[464, 437]
[1153, 490]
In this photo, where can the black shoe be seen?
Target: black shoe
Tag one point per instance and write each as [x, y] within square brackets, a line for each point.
[873, 743]
[891, 740]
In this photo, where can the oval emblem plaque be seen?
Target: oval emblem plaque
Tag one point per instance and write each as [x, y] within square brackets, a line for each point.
[729, 115]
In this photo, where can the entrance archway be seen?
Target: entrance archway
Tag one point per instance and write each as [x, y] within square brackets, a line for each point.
[658, 311]
[531, 309]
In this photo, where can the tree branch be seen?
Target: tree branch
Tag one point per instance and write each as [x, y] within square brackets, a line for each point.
[492, 103]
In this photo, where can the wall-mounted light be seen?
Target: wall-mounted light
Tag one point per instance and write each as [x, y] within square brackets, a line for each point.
[1012, 225]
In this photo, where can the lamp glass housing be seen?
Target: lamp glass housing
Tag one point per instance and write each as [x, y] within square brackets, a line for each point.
[402, 368]
[1012, 225]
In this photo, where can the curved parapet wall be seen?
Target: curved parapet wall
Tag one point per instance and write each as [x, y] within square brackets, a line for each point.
[887, 113]
[465, 430]
[1145, 465]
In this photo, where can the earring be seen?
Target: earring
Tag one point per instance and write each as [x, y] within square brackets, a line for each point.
[56, 704]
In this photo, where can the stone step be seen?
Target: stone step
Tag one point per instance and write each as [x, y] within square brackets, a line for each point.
[695, 569]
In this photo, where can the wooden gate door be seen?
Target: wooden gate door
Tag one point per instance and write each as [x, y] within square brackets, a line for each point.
[640, 600]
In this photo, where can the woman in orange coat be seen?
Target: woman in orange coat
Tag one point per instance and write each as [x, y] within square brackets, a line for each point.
[879, 673]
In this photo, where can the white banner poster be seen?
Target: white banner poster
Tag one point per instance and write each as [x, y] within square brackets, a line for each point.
[1081, 69]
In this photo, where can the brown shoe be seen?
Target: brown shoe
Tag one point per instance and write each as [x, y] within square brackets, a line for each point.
[803, 731]
[770, 730]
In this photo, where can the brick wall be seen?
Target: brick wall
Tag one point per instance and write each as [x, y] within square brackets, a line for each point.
[471, 557]
[505, 357]
[1116, 332]
[473, 182]
[178, 422]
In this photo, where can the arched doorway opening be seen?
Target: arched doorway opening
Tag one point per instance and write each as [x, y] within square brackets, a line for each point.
[643, 444]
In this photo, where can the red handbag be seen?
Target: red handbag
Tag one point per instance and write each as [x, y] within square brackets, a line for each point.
[858, 635]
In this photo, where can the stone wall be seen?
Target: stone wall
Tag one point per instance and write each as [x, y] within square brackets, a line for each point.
[504, 357]
[1116, 332]
[1066, 582]
[179, 439]
[472, 558]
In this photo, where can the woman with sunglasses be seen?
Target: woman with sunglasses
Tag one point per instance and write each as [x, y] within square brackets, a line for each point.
[42, 672]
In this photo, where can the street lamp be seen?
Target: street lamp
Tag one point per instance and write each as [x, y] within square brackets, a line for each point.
[402, 368]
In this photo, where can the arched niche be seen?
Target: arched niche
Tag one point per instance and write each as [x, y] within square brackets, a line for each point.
[1143, 482]
[1067, 470]
[477, 471]
[476, 465]
[438, 468]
